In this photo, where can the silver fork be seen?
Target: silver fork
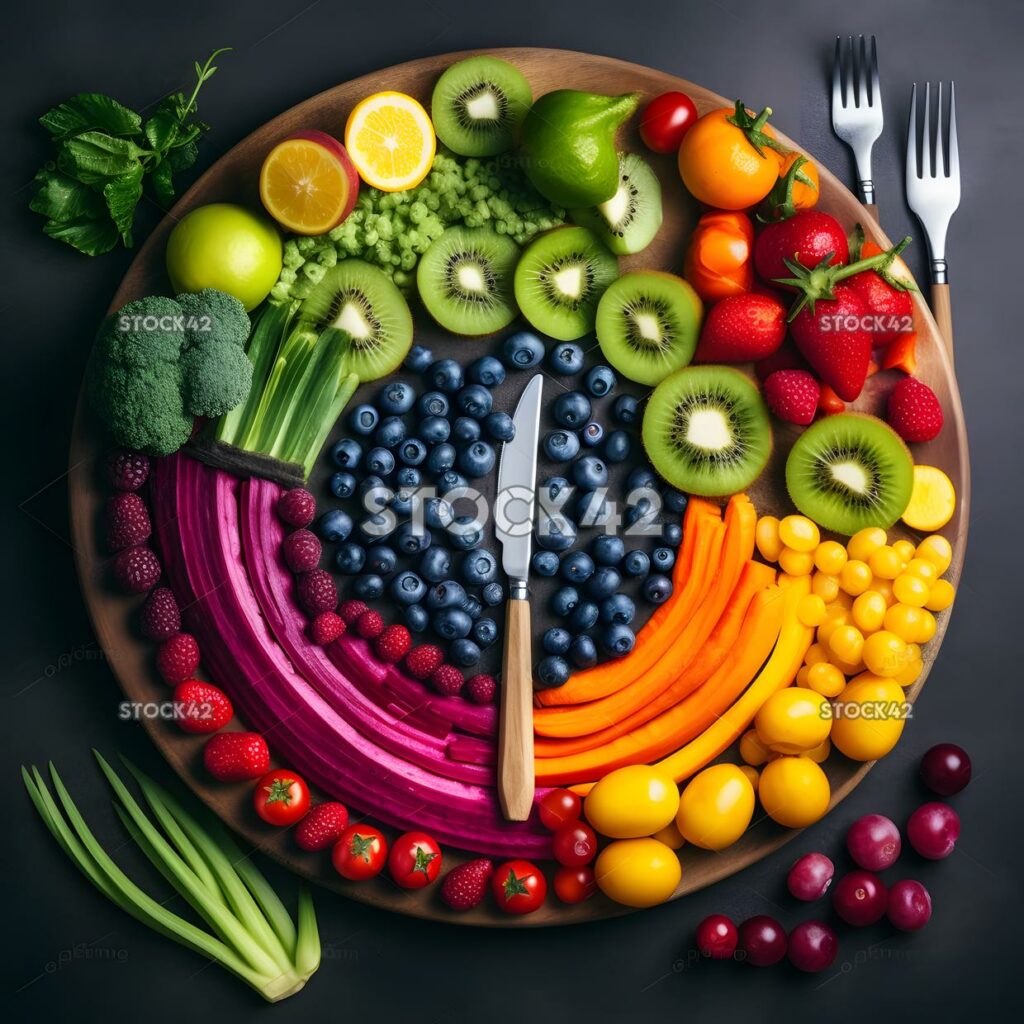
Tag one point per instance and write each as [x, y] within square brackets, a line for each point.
[857, 110]
[934, 194]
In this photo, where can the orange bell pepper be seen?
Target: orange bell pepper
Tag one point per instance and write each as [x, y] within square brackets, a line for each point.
[719, 260]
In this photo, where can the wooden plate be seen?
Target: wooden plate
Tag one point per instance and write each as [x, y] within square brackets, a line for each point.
[233, 178]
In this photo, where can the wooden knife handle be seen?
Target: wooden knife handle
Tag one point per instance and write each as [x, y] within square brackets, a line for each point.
[515, 734]
[943, 315]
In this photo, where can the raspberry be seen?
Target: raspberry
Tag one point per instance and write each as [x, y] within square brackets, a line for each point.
[178, 657]
[136, 569]
[792, 395]
[127, 521]
[201, 707]
[369, 625]
[422, 661]
[392, 645]
[481, 689]
[466, 885]
[160, 618]
[236, 756]
[351, 610]
[296, 507]
[326, 628]
[301, 551]
[913, 411]
[322, 826]
[447, 679]
[317, 592]
[125, 470]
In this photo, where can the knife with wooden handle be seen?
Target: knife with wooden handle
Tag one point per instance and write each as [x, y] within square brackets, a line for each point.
[513, 524]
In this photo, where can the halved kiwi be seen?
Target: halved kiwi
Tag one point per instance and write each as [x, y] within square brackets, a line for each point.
[478, 105]
[627, 222]
[706, 430]
[364, 306]
[850, 471]
[648, 323]
[465, 280]
[560, 280]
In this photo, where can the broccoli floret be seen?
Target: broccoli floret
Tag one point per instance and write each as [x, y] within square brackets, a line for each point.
[213, 314]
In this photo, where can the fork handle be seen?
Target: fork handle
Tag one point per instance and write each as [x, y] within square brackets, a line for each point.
[872, 208]
[943, 315]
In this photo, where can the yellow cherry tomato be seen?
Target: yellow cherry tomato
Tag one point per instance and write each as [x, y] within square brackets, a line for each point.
[799, 533]
[830, 557]
[885, 563]
[826, 679]
[928, 627]
[794, 791]
[825, 586]
[910, 590]
[793, 720]
[884, 587]
[863, 542]
[923, 569]
[752, 750]
[937, 550]
[670, 836]
[752, 774]
[631, 802]
[932, 500]
[843, 600]
[869, 611]
[835, 617]
[637, 872]
[715, 807]
[796, 563]
[819, 755]
[885, 654]
[905, 549]
[869, 717]
[816, 654]
[940, 596]
[905, 621]
[811, 610]
[784, 579]
[914, 669]
[847, 644]
[803, 676]
[855, 577]
[766, 536]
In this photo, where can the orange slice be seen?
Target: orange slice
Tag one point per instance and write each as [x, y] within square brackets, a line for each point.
[391, 141]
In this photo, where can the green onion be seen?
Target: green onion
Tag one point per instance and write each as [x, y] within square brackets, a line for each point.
[252, 934]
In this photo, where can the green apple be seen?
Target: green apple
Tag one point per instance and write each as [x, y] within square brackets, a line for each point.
[226, 247]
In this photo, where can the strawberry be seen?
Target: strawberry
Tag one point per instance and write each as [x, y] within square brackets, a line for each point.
[136, 569]
[785, 358]
[322, 826]
[296, 507]
[236, 756]
[465, 886]
[447, 680]
[792, 395]
[913, 411]
[178, 657]
[742, 329]
[317, 591]
[125, 470]
[890, 309]
[351, 610]
[481, 689]
[806, 238]
[369, 625]
[422, 661]
[159, 617]
[201, 707]
[392, 644]
[127, 521]
[301, 551]
[326, 628]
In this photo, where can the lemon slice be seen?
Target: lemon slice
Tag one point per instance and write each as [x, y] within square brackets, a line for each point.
[391, 141]
[932, 500]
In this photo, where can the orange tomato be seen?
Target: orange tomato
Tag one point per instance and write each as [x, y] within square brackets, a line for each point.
[796, 189]
[719, 258]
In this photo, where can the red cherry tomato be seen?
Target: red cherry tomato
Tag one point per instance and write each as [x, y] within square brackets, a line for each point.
[414, 860]
[665, 120]
[360, 852]
[574, 844]
[519, 887]
[558, 807]
[281, 797]
[574, 885]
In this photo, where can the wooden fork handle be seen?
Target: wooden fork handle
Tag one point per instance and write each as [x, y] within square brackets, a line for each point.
[515, 733]
[943, 315]
[872, 208]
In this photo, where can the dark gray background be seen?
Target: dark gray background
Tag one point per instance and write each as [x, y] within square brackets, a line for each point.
[68, 952]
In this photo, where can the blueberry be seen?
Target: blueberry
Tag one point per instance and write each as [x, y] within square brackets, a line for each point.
[487, 371]
[466, 430]
[577, 567]
[544, 563]
[590, 472]
[571, 409]
[566, 359]
[450, 481]
[412, 451]
[485, 632]
[441, 458]
[607, 550]
[452, 624]
[473, 608]
[617, 446]
[411, 539]
[657, 589]
[445, 375]
[476, 460]
[363, 419]
[551, 491]
[434, 430]
[346, 453]
[640, 510]
[416, 618]
[391, 432]
[350, 559]
[499, 426]
[626, 410]
[408, 476]
[522, 350]
[494, 593]
[334, 525]
[376, 528]
[381, 560]
[556, 640]
[342, 484]
[583, 616]
[396, 398]
[564, 600]
[475, 400]
[465, 533]
[407, 588]
[368, 587]
[404, 501]
[380, 461]
[592, 508]
[464, 653]
[555, 532]
[553, 670]
[436, 563]
[672, 533]
[437, 513]
[592, 434]
[418, 359]
[600, 381]
[617, 608]
[675, 501]
[374, 494]
[603, 583]
[640, 479]
[561, 445]
[582, 652]
[479, 567]
[636, 564]
[618, 639]
[433, 403]
[663, 559]
[447, 594]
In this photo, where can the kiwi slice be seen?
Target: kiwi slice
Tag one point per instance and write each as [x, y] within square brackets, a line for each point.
[850, 471]
[560, 280]
[627, 222]
[465, 280]
[706, 430]
[478, 105]
[648, 323]
[364, 306]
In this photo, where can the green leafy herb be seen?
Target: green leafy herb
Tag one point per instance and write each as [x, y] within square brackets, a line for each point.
[105, 155]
